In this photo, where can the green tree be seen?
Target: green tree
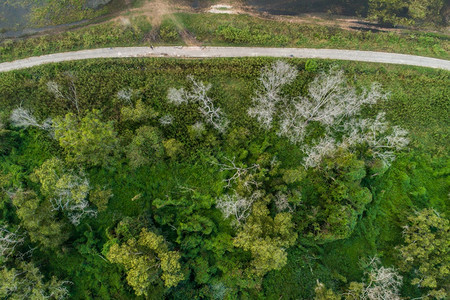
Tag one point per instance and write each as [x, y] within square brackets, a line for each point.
[100, 197]
[266, 238]
[39, 220]
[66, 190]
[146, 260]
[322, 293]
[87, 140]
[27, 282]
[335, 198]
[139, 113]
[145, 146]
[426, 250]
[401, 12]
[173, 148]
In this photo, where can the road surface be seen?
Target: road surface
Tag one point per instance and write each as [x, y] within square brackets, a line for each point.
[208, 52]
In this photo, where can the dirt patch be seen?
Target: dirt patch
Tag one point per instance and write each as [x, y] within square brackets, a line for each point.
[222, 9]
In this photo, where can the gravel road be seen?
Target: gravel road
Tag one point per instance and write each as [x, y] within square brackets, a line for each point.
[205, 52]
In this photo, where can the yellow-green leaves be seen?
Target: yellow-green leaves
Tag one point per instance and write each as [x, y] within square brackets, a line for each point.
[426, 249]
[66, 190]
[87, 140]
[39, 220]
[140, 112]
[266, 238]
[146, 259]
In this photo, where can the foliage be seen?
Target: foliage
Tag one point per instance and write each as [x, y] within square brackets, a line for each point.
[145, 259]
[266, 237]
[426, 250]
[39, 219]
[178, 196]
[54, 12]
[338, 197]
[87, 140]
[395, 12]
[322, 293]
[146, 146]
[26, 282]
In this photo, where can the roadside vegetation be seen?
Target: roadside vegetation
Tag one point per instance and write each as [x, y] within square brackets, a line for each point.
[224, 179]
[224, 30]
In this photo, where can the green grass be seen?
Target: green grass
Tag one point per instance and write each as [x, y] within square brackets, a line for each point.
[225, 30]
[244, 30]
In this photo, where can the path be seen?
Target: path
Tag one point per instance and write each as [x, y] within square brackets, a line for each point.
[208, 52]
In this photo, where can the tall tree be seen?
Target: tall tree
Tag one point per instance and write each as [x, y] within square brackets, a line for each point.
[27, 282]
[66, 190]
[147, 259]
[427, 252]
[39, 219]
[266, 238]
[87, 140]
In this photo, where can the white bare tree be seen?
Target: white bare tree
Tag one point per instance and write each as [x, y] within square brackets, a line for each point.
[166, 120]
[199, 94]
[383, 283]
[328, 102]
[22, 117]
[380, 137]
[125, 95]
[272, 79]
[9, 240]
[71, 193]
[282, 202]
[70, 94]
[239, 173]
[177, 96]
[237, 206]
[326, 146]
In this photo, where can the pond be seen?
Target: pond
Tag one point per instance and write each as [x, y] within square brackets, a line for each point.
[297, 7]
[16, 16]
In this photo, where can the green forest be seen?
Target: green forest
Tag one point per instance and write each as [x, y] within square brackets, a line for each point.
[236, 178]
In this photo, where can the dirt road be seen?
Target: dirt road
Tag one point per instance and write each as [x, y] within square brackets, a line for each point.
[209, 52]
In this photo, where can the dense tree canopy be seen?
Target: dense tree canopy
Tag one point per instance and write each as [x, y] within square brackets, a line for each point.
[250, 179]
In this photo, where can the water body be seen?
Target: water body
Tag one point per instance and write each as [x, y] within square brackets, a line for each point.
[14, 17]
[298, 7]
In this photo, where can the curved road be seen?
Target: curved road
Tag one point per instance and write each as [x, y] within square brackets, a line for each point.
[204, 52]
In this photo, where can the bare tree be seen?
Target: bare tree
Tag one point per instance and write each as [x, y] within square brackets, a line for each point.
[22, 117]
[329, 101]
[314, 154]
[383, 139]
[239, 173]
[383, 283]
[125, 95]
[69, 95]
[166, 120]
[282, 202]
[199, 94]
[9, 240]
[237, 206]
[71, 193]
[272, 79]
[177, 96]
